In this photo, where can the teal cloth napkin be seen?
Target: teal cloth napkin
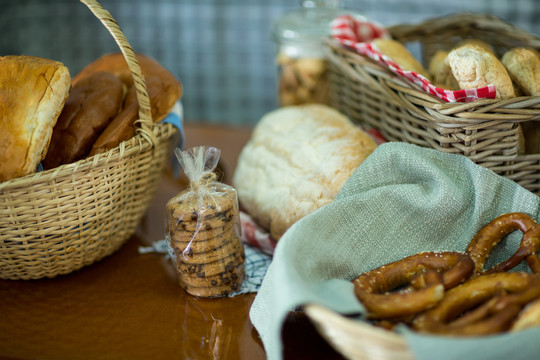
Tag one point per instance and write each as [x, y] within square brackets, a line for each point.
[402, 200]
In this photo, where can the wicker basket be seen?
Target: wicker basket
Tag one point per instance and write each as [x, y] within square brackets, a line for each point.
[486, 131]
[57, 221]
[356, 340]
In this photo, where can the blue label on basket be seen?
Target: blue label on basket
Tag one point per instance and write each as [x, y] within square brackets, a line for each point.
[175, 118]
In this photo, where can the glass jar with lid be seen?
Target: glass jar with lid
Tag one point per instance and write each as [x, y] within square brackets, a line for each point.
[302, 69]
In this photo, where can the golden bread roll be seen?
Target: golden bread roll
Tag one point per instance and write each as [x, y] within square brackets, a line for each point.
[440, 71]
[32, 94]
[296, 161]
[92, 104]
[475, 67]
[399, 54]
[523, 65]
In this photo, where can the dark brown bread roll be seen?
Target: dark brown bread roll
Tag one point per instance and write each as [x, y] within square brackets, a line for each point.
[92, 104]
[164, 90]
[123, 127]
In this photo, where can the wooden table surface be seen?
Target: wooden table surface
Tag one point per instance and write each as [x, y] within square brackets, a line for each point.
[129, 305]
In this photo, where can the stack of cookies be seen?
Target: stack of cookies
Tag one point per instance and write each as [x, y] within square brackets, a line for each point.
[204, 236]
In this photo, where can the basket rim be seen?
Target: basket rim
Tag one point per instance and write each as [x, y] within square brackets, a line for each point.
[478, 20]
[415, 32]
[346, 335]
[137, 144]
[457, 111]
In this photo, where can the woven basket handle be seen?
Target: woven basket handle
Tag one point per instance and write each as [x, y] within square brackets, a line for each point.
[145, 121]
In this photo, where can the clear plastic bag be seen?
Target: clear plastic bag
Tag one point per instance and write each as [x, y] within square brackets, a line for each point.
[203, 228]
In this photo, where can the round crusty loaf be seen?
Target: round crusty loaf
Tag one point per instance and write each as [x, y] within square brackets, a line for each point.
[296, 161]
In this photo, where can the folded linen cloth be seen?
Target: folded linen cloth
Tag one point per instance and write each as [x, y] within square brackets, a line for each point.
[402, 199]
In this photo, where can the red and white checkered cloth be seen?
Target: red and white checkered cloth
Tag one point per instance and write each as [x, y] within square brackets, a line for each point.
[357, 33]
[256, 236]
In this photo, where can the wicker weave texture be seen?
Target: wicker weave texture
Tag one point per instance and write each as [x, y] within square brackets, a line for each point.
[486, 131]
[356, 340]
[57, 221]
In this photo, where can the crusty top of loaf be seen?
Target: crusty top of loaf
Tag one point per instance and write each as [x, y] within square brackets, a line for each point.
[296, 161]
[32, 94]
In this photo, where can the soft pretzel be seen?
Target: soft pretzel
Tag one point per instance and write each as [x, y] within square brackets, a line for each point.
[429, 273]
[492, 233]
[496, 300]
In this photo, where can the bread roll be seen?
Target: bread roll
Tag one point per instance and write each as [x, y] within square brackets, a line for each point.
[474, 67]
[296, 161]
[92, 104]
[164, 90]
[523, 65]
[162, 102]
[440, 71]
[400, 55]
[32, 94]
[122, 128]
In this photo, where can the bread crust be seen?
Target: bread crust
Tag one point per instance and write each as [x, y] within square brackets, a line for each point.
[296, 161]
[92, 104]
[122, 127]
[475, 67]
[440, 71]
[162, 101]
[33, 91]
[399, 53]
[523, 65]
[164, 90]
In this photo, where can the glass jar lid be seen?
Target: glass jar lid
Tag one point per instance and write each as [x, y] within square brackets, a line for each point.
[309, 23]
